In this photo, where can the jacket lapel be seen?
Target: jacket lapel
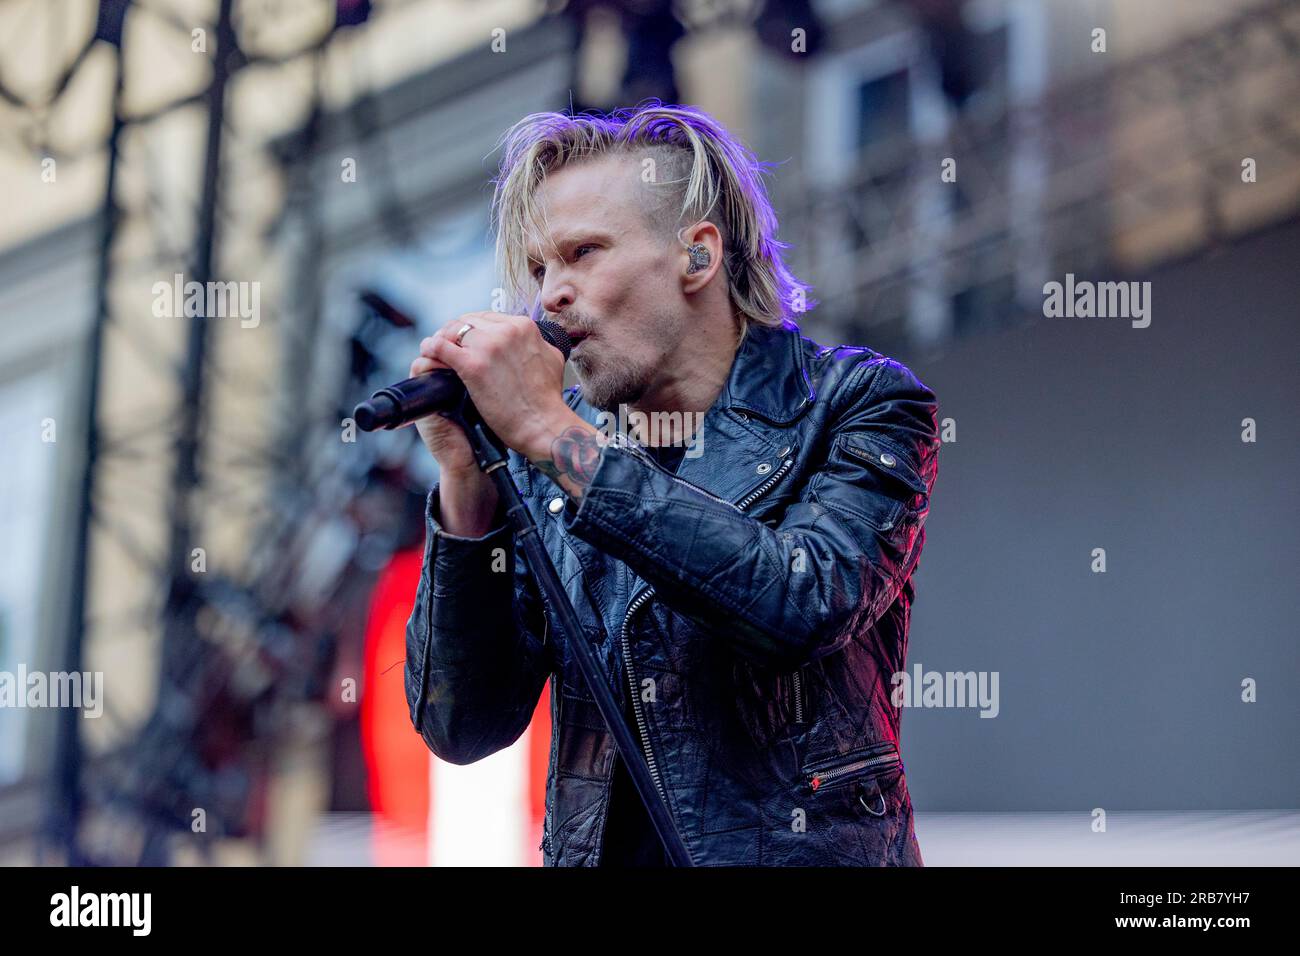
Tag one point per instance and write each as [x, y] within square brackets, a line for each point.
[747, 433]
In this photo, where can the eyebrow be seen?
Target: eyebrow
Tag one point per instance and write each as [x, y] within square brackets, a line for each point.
[572, 239]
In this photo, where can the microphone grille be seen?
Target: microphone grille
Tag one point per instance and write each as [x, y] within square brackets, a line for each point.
[554, 333]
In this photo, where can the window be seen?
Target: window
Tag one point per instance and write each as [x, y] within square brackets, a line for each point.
[26, 485]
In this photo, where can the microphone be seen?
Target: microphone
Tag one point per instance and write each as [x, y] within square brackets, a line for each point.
[438, 390]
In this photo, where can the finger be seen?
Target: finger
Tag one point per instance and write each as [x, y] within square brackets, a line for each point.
[513, 321]
[446, 333]
[481, 320]
[429, 349]
[496, 328]
[423, 364]
[426, 344]
[445, 353]
[483, 339]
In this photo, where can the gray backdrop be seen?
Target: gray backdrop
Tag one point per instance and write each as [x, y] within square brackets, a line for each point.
[1122, 689]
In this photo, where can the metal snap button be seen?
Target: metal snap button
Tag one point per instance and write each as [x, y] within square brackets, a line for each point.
[888, 460]
[763, 469]
[555, 506]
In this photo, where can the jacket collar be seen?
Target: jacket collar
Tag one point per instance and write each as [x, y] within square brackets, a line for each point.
[769, 375]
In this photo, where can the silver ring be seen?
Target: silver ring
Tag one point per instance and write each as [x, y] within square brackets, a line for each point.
[460, 336]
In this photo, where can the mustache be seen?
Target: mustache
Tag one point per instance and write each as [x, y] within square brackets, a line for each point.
[574, 322]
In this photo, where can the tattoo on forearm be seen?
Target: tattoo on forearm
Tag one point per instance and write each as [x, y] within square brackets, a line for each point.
[575, 454]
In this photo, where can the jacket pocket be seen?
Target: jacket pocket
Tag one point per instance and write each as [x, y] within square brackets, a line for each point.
[866, 763]
[894, 473]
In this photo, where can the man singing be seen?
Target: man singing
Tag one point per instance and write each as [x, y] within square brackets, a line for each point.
[743, 572]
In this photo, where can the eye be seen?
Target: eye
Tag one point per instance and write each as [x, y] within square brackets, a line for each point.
[540, 271]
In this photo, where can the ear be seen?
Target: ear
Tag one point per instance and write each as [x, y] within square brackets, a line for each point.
[706, 234]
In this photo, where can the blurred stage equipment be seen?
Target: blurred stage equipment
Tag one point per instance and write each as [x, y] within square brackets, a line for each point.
[351, 13]
[652, 28]
[241, 649]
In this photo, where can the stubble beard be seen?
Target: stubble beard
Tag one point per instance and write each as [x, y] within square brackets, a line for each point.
[614, 378]
[614, 381]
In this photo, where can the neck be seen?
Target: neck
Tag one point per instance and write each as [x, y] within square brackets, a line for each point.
[693, 377]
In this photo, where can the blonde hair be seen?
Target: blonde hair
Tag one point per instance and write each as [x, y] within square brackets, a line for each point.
[712, 176]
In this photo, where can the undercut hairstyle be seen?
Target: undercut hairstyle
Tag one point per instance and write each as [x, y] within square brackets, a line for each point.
[694, 170]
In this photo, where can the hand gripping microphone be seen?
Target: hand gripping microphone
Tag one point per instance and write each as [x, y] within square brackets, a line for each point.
[438, 390]
[441, 390]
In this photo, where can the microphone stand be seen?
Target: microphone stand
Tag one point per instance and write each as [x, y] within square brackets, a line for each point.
[492, 458]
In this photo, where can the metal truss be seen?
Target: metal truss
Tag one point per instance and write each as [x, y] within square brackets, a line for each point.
[182, 453]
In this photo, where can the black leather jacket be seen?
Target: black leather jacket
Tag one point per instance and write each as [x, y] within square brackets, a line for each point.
[760, 599]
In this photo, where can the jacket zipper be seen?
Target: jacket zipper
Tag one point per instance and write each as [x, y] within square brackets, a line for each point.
[762, 489]
[645, 596]
[548, 819]
[744, 503]
[798, 696]
[632, 608]
[820, 778]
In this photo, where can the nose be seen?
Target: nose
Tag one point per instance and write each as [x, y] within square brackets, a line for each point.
[557, 292]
